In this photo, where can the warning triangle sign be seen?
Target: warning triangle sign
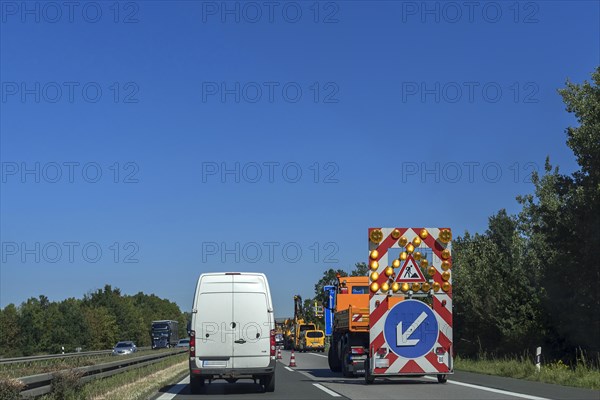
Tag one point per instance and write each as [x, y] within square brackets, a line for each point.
[410, 272]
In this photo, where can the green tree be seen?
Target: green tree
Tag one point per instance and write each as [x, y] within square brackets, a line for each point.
[10, 339]
[360, 269]
[561, 221]
[497, 302]
[74, 330]
[101, 327]
[98, 321]
[38, 323]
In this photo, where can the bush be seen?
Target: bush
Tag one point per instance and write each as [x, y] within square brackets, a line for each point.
[67, 385]
[10, 389]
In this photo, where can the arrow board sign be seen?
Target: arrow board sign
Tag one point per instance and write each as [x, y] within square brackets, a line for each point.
[411, 329]
[410, 272]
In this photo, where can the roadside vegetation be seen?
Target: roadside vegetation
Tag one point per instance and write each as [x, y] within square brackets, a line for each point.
[96, 322]
[135, 384]
[583, 373]
[16, 370]
[532, 279]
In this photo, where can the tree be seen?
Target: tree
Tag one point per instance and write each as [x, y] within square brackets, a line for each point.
[101, 327]
[496, 290]
[74, 330]
[360, 269]
[37, 322]
[10, 339]
[561, 221]
[39, 326]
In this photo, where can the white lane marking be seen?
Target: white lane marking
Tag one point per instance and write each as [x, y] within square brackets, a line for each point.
[175, 389]
[289, 369]
[487, 389]
[318, 355]
[328, 391]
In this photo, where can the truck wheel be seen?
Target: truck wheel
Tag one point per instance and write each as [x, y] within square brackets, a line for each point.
[333, 360]
[443, 378]
[369, 379]
[268, 382]
[196, 384]
[345, 370]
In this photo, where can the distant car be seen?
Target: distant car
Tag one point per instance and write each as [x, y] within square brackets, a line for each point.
[279, 339]
[124, 348]
[183, 343]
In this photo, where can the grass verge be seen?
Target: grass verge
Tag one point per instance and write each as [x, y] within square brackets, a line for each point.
[582, 374]
[21, 369]
[135, 384]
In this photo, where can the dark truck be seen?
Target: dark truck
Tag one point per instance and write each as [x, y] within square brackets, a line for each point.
[164, 334]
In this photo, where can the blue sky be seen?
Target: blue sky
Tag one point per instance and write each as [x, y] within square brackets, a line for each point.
[360, 98]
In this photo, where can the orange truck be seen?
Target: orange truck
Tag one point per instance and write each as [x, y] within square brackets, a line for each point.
[350, 334]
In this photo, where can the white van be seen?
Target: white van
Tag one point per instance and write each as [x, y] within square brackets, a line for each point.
[232, 334]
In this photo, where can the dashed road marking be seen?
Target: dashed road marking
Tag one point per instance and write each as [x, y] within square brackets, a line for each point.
[289, 369]
[318, 355]
[326, 390]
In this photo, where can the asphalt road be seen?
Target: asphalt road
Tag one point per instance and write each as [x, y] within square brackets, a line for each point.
[312, 379]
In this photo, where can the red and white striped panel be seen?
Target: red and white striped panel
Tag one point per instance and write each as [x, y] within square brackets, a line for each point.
[442, 306]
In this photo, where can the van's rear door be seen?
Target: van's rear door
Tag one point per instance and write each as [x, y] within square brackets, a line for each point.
[213, 323]
[251, 347]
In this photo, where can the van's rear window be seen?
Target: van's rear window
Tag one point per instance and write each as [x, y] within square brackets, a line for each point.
[314, 334]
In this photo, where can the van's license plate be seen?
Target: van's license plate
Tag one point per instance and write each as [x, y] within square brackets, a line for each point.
[214, 363]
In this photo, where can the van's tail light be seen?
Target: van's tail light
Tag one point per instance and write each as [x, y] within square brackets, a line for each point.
[440, 351]
[192, 343]
[273, 347]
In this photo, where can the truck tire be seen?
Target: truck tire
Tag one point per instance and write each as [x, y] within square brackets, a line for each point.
[196, 384]
[333, 359]
[369, 379]
[344, 356]
[442, 378]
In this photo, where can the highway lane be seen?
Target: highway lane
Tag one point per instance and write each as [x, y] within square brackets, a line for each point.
[289, 385]
[461, 385]
[312, 379]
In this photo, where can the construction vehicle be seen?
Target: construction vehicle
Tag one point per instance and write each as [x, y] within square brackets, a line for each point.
[350, 332]
[396, 322]
[414, 336]
[294, 327]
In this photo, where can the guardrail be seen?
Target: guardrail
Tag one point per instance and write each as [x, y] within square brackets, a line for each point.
[40, 384]
[53, 356]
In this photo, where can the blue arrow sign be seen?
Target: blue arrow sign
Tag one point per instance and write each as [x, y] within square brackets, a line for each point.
[411, 329]
[329, 310]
